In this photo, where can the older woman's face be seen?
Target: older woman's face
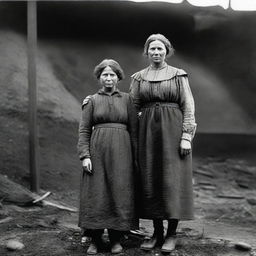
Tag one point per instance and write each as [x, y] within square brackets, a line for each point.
[108, 78]
[156, 52]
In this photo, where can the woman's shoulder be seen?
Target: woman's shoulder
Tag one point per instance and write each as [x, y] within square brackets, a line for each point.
[166, 73]
[87, 99]
[138, 75]
[177, 71]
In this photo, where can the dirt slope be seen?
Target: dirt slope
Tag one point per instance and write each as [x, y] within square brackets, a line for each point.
[53, 98]
[58, 115]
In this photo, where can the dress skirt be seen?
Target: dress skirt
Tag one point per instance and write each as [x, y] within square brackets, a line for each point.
[166, 176]
[107, 196]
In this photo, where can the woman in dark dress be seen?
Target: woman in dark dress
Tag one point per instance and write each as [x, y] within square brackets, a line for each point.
[107, 149]
[167, 125]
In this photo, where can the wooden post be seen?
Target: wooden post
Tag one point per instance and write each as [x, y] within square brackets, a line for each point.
[32, 93]
[229, 4]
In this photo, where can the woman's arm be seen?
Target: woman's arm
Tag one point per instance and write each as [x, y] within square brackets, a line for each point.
[134, 92]
[188, 108]
[85, 129]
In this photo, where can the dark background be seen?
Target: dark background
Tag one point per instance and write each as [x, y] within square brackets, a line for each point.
[220, 41]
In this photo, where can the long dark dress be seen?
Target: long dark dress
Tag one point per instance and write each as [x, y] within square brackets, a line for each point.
[166, 104]
[107, 134]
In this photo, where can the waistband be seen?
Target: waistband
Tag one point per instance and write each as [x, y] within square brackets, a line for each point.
[161, 104]
[111, 125]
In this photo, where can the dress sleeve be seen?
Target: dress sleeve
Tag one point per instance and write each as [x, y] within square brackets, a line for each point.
[134, 92]
[133, 126]
[188, 108]
[85, 130]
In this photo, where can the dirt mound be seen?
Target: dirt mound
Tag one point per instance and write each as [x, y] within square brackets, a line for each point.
[58, 116]
[53, 98]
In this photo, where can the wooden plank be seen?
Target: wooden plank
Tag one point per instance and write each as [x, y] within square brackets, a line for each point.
[204, 182]
[32, 92]
[204, 173]
[41, 198]
[59, 206]
[230, 196]
[208, 187]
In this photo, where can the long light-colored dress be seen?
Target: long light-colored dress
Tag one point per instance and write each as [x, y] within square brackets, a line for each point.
[164, 98]
[107, 135]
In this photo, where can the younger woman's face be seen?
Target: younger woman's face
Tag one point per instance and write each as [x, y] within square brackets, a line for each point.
[156, 52]
[108, 78]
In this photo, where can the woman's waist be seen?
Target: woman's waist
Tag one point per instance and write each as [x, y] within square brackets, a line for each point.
[160, 104]
[110, 125]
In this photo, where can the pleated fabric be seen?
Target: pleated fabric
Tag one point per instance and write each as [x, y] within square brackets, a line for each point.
[166, 177]
[166, 107]
[107, 136]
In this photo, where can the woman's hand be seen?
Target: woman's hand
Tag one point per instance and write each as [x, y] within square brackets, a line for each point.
[185, 147]
[87, 165]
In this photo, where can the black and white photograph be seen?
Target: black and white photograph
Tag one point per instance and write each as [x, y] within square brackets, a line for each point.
[128, 127]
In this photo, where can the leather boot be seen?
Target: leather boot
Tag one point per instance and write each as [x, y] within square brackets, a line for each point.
[170, 240]
[169, 244]
[114, 237]
[93, 249]
[157, 238]
[96, 241]
[116, 248]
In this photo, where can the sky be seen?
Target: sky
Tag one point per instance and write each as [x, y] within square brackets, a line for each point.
[238, 5]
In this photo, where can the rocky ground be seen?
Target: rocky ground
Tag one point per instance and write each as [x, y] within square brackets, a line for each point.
[225, 192]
